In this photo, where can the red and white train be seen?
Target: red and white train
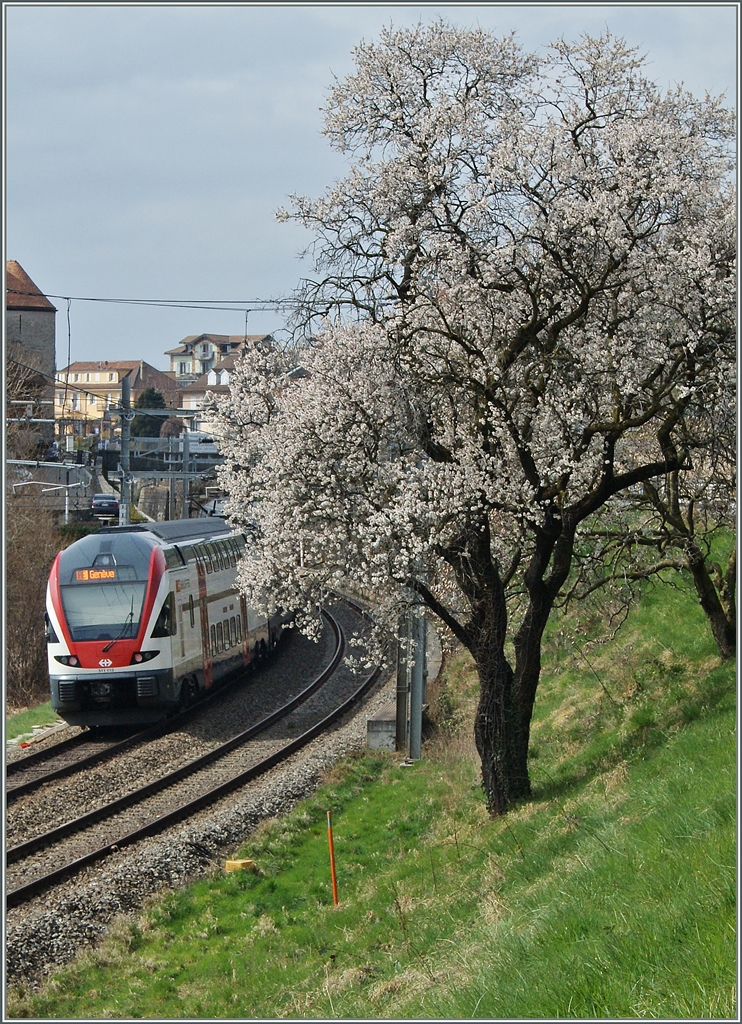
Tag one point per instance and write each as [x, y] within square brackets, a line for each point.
[141, 620]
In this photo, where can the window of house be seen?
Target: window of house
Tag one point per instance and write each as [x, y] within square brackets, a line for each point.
[76, 376]
[111, 376]
[97, 376]
[92, 401]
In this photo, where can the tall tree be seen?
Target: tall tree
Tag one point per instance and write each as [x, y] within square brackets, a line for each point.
[148, 426]
[528, 276]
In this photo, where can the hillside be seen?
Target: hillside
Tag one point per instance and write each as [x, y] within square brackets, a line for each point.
[611, 894]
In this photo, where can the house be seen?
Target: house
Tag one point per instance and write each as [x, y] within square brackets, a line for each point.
[199, 353]
[85, 391]
[30, 325]
[214, 381]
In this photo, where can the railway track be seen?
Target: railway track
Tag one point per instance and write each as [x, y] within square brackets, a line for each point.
[92, 747]
[82, 841]
[55, 762]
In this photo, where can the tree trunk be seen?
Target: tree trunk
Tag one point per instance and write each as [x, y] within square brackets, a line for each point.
[498, 735]
[723, 625]
[503, 721]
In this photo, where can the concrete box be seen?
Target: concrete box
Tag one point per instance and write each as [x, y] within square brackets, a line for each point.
[381, 729]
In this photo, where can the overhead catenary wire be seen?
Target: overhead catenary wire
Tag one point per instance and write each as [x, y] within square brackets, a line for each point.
[226, 305]
[83, 391]
[54, 379]
[253, 305]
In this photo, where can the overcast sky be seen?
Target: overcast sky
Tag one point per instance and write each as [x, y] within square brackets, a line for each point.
[149, 146]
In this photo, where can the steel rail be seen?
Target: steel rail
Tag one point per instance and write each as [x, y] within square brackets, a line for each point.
[160, 728]
[25, 892]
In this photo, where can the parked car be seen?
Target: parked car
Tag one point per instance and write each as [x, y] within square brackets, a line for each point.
[104, 505]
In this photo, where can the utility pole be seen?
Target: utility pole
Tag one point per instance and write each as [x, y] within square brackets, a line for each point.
[403, 683]
[417, 685]
[411, 676]
[186, 456]
[126, 418]
[171, 482]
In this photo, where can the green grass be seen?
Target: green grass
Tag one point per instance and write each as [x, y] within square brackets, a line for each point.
[610, 894]
[22, 724]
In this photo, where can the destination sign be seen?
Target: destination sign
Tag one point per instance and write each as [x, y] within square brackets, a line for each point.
[94, 575]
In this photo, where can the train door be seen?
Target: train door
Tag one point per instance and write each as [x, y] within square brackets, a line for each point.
[243, 631]
[203, 604]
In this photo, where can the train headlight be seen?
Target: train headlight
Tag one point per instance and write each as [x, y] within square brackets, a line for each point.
[140, 656]
[67, 659]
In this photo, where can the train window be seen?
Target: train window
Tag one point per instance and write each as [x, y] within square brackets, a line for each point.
[233, 631]
[213, 641]
[191, 610]
[173, 558]
[211, 556]
[219, 637]
[234, 551]
[165, 625]
[49, 633]
[206, 555]
[221, 554]
[103, 612]
[239, 630]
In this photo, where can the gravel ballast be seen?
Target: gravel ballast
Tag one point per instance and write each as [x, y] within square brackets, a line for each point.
[54, 927]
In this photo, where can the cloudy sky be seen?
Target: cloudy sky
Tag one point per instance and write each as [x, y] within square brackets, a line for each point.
[149, 146]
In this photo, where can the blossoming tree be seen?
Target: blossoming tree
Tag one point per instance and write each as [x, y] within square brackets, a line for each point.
[527, 284]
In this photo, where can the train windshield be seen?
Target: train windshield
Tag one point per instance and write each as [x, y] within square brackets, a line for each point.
[103, 579]
[104, 611]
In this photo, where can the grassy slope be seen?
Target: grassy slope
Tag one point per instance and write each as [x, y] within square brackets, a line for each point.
[22, 724]
[611, 894]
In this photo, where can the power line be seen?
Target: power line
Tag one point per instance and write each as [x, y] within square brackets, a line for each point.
[227, 305]
[54, 379]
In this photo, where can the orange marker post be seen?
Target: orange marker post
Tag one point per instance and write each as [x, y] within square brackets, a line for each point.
[332, 859]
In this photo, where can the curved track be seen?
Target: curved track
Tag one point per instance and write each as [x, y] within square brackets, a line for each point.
[93, 746]
[144, 812]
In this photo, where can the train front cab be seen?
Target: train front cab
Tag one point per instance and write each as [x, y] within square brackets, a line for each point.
[109, 611]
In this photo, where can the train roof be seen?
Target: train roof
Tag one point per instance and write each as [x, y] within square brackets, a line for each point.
[177, 530]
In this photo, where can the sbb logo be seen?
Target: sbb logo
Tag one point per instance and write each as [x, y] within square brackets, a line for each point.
[105, 663]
